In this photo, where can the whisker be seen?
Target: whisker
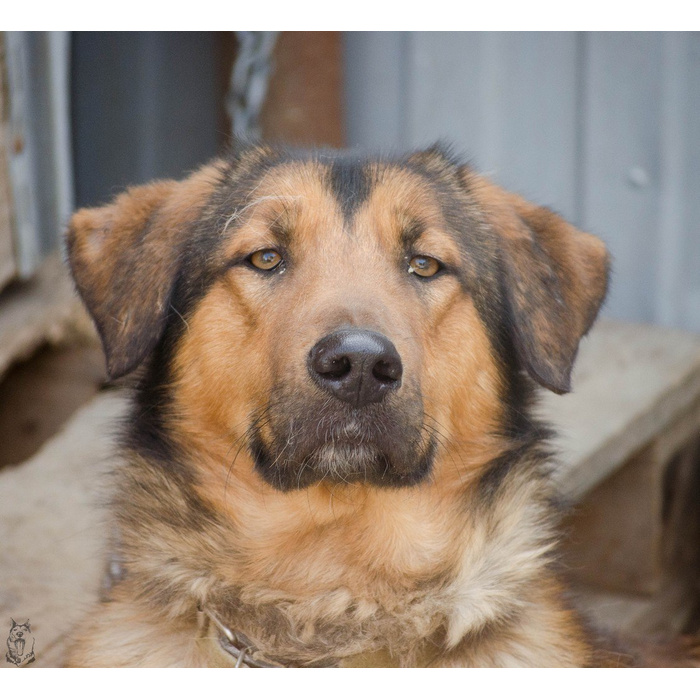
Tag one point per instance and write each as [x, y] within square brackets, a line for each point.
[258, 421]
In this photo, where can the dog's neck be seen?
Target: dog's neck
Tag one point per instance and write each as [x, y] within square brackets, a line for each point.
[298, 607]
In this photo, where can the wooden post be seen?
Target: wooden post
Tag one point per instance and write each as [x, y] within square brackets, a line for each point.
[304, 105]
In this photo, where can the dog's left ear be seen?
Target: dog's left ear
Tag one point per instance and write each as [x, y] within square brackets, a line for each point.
[555, 281]
[125, 257]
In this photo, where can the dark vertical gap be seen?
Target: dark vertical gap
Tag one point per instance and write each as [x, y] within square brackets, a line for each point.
[149, 50]
[225, 51]
[144, 105]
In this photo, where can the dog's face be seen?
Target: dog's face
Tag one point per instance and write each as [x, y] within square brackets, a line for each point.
[339, 319]
[20, 631]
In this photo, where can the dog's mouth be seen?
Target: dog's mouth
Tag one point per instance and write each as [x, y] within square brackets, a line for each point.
[347, 447]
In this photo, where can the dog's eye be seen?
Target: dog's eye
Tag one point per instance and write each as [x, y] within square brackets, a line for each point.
[265, 259]
[424, 266]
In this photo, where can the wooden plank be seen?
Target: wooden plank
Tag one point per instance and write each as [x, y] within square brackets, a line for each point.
[537, 129]
[631, 382]
[615, 532]
[678, 298]
[671, 233]
[43, 309]
[638, 530]
[8, 269]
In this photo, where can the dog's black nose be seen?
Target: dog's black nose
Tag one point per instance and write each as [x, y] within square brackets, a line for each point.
[356, 366]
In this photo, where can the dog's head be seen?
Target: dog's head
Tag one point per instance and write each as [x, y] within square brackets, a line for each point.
[338, 319]
[20, 630]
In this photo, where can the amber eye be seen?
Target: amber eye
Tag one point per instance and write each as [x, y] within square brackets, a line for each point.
[424, 266]
[265, 259]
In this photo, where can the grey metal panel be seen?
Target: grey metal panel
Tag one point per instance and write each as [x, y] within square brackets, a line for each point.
[39, 162]
[621, 162]
[444, 91]
[671, 237]
[374, 88]
[8, 265]
[604, 127]
[689, 272]
[506, 100]
[537, 130]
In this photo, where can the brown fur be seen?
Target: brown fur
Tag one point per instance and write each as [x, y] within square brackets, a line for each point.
[455, 569]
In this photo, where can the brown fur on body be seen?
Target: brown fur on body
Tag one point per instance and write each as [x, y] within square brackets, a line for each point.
[418, 530]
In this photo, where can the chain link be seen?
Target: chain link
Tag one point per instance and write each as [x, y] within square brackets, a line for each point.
[249, 82]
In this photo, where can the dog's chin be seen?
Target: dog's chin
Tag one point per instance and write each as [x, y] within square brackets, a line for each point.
[341, 463]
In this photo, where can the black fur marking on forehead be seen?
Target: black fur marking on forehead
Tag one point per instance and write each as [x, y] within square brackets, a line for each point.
[411, 232]
[350, 183]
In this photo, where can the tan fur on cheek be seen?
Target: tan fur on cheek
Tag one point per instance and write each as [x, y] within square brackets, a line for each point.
[221, 373]
[461, 387]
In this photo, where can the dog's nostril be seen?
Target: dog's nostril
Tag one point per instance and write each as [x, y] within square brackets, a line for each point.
[356, 366]
[334, 367]
[388, 370]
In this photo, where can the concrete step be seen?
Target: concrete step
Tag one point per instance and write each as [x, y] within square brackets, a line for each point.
[52, 530]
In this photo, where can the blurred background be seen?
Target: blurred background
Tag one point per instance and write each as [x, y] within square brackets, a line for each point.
[603, 127]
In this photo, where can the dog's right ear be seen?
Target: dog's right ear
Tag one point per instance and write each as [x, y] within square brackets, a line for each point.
[125, 257]
[555, 280]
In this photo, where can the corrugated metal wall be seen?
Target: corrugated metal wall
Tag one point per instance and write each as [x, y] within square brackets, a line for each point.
[603, 127]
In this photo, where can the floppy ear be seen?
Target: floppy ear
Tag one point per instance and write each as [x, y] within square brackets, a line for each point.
[125, 257]
[555, 281]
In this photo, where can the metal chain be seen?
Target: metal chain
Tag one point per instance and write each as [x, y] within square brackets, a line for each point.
[249, 82]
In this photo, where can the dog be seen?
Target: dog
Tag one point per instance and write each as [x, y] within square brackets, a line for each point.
[20, 644]
[332, 458]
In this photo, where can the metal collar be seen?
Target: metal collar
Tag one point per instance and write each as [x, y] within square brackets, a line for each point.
[239, 647]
